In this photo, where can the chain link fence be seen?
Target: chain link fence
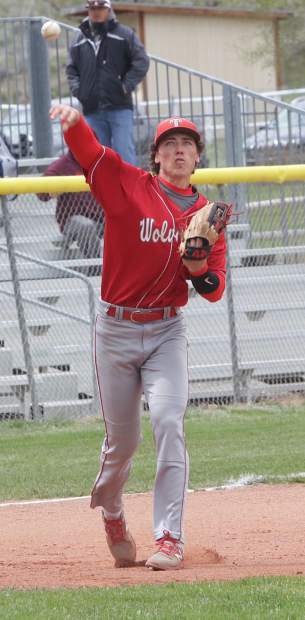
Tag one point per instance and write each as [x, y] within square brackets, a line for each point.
[256, 338]
[253, 347]
[47, 313]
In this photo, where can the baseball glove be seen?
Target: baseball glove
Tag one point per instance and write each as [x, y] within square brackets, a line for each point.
[206, 224]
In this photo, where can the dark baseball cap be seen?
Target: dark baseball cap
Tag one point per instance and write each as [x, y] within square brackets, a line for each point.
[175, 123]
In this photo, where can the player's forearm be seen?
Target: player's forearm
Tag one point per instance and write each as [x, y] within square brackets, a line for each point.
[210, 285]
[83, 143]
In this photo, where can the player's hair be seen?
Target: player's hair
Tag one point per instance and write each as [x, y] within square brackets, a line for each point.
[154, 167]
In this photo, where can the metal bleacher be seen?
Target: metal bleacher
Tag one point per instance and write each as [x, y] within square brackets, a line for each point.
[269, 311]
[58, 308]
[271, 335]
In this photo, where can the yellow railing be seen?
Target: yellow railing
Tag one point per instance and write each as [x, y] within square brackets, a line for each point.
[204, 176]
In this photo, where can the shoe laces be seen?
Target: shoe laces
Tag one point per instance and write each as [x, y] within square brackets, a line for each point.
[170, 546]
[115, 529]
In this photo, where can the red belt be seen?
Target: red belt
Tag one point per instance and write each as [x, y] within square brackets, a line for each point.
[142, 316]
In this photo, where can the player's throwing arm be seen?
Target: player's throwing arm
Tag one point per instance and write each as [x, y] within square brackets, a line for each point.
[67, 115]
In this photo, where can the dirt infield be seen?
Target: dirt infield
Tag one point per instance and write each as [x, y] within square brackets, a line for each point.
[251, 531]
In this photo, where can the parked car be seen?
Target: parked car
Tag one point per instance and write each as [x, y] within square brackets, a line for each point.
[16, 129]
[16, 125]
[279, 141]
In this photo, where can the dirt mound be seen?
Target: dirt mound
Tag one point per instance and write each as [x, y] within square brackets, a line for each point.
[230, 534]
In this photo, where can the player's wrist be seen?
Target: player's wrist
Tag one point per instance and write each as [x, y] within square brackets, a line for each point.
[206, 284]
[196, 269]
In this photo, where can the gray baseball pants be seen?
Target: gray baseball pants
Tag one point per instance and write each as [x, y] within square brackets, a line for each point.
[132, 358]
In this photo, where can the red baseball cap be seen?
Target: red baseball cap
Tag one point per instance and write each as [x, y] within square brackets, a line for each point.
[175, 123]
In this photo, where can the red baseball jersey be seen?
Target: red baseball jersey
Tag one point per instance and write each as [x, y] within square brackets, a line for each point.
[142, 266]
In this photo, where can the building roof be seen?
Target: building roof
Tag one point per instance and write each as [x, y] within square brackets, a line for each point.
[183, 9]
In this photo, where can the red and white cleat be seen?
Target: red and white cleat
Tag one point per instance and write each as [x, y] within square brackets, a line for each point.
[169, 555]
[120, 542]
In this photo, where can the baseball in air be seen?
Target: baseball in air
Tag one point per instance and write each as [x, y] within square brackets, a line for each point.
[50, 30]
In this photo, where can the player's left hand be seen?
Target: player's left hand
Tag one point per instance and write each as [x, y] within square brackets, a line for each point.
[197, 266]
[204, 229]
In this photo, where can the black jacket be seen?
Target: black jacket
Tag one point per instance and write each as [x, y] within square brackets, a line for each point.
[108, 77]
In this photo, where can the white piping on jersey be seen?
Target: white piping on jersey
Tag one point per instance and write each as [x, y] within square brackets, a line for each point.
[171, 244]
[165, 289]
[96, 164]
[168, 259]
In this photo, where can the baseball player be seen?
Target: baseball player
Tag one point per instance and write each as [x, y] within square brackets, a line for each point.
[140, 335]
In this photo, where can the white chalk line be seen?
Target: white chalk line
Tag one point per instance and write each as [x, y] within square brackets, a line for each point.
[242, 481]
[56, 500]
[249, 479]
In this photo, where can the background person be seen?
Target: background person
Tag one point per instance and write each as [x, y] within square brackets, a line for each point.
[79, 216]
[140, 334]
[107, 62]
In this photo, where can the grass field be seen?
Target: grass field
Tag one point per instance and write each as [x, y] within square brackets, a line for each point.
[224, 444]
[251, 599]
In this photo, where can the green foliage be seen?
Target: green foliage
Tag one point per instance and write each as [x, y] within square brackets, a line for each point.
[28, 8]
[248, 599]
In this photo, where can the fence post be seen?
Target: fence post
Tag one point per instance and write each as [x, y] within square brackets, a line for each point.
[232, 327]
[40, 97]
[234, 157]
[20, 308]
[92, 314]
[234, 145]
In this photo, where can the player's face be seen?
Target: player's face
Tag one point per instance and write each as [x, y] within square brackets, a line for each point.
[98, 14]
[177, 155]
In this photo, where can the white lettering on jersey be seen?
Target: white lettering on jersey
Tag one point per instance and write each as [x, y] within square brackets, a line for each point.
[146, 227]
[149, 232]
